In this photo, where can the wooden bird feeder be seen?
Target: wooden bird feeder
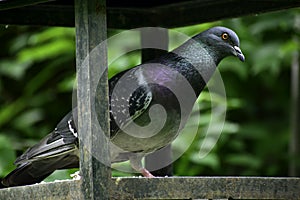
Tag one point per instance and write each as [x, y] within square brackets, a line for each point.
[91, 19]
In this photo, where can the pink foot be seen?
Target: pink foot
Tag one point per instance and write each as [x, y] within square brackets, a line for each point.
[146, 173]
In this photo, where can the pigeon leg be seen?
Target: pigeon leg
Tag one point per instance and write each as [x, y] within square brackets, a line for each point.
[136, 164]
[146, 173]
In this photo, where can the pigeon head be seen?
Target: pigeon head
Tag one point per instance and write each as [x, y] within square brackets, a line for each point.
[222, 42]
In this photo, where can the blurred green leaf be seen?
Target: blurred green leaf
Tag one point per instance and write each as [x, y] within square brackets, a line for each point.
[244, 160]
[13, 69]
[49, 50]
[7, 155]
[28, 118]
[211, 160]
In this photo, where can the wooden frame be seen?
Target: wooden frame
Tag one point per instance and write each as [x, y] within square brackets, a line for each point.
[61, 13]
[91, 29]
[166, 188]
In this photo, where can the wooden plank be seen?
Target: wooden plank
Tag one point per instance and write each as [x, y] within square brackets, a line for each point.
[294, 165]
[168, 188]
[92, 95]
[39, 15]
[10, 4]
[185, 13]
[201, 11]
[206, 188]
[154, 41]
[67, 190]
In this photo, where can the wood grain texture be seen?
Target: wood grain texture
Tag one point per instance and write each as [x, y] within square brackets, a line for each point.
[92, 95]
[168, 188]
[166, 14]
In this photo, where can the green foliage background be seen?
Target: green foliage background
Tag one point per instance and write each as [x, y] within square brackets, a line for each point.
[37, 73]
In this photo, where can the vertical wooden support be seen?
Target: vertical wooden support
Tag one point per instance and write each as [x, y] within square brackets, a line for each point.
[158, 40]
[295, 131]
[91, 58]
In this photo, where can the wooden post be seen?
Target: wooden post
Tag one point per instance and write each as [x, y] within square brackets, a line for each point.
[294, 165]
[158, 39]
[91, 58]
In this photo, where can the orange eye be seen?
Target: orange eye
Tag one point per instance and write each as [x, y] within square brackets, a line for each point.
[225, 36]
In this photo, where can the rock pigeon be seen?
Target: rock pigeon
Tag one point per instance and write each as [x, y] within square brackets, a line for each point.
[149, 105]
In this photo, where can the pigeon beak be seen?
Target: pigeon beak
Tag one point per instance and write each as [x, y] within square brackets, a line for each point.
[238, 53]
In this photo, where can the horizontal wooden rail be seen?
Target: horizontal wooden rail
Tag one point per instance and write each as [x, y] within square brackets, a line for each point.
[168, 188]
[185, 13]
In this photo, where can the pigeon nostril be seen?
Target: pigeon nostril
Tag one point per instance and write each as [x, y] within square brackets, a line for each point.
[238, 50]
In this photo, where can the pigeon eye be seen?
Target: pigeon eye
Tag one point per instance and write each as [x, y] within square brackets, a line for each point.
[225, 36]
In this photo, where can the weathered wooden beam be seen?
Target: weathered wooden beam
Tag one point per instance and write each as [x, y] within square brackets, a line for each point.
[8, 4]
[294, 165]
[206, 188]
[200, 11]
[67, 190]
[154, 41]
[39, 15]
[168, 188]
[92, 95]
[169, 16]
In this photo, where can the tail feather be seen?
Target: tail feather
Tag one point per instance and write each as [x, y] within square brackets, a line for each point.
[36, 171]
[58, 150]
[22, 175]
